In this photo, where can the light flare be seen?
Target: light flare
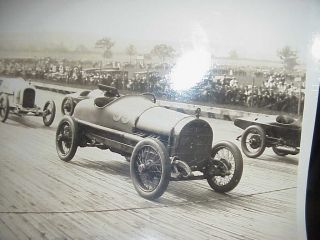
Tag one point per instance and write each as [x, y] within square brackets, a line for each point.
[194, 63]
[190, 69]
[315, 49]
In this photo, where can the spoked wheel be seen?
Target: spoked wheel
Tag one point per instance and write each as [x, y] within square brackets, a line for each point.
[253, 141]
[279, 152]
[150, 168]
[67, 138]
[67, 106]
[4, 108]
[49, 112]
[225, 167]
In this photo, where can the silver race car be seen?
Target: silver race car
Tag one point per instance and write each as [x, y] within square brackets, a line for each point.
[163, 145]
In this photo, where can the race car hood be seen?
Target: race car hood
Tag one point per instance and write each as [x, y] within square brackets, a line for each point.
[160, 120]
[13, 85]
[129, 113]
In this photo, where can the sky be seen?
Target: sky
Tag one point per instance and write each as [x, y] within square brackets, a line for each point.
[255, 29]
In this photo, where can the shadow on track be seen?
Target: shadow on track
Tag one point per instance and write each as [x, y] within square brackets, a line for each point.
[26, 122]
[179, 192]
[274, 158]
[111, 167]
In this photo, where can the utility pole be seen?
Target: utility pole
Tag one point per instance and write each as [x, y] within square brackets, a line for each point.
[252, 93]
[298, 79]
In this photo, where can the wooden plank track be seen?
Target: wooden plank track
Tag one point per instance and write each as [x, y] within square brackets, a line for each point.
[92, 197]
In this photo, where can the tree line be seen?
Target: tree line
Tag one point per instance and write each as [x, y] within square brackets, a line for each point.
[162, 51]
[288, 56]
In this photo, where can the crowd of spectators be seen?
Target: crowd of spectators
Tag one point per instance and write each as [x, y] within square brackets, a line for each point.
[222, 85]
[85, 73]
[276, 92]
[53, 70]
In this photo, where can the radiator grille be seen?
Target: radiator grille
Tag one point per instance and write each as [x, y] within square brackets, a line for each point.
[28, 98]
[195, 143]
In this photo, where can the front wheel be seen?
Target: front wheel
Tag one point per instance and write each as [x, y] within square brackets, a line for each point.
[253, 141]
[49, 112]
[4, 108]
[67, 138]
[150, 168]
[226, 163]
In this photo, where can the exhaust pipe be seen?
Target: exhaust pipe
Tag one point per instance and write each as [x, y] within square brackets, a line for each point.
[287, 149]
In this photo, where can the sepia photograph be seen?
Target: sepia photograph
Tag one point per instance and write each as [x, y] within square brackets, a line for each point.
[158, 119]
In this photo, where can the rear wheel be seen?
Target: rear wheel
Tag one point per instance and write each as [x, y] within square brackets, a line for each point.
[150, 168]
[253, 141]
[49, 112]
[4, 107]
[67, 106]
[67, 138]
[226, 159]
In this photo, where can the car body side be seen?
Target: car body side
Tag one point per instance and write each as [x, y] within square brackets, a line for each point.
[273, 128]
[185, 136]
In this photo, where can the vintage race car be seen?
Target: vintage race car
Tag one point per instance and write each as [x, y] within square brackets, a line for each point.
[163, 144]
[18, 97]
[71, 100]
[282, 133]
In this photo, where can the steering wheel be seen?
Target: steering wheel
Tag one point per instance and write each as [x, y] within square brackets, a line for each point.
[152, 96]
[109, 91]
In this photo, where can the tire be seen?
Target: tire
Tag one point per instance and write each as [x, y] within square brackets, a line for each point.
[234, 165]
[49, 112]
[257, 141]
[67, 106]
[4, 107]
[152, 152]
[279, 152]
[67, 138]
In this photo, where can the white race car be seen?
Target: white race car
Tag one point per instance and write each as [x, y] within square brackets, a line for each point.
[17, 96]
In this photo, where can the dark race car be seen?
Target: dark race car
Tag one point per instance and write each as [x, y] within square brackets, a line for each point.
[163, 144]
[282, 133]
[17, 96]
[71, 100]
